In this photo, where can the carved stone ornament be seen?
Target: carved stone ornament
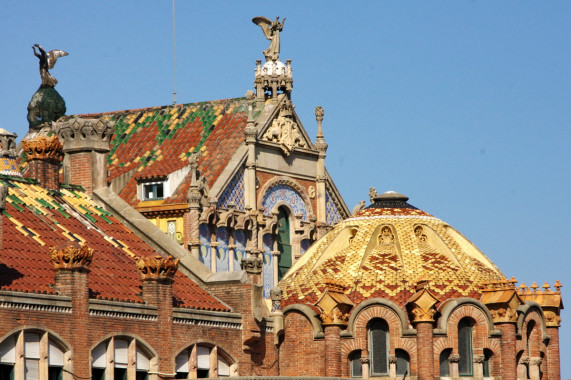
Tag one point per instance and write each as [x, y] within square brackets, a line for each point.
[285, 131]
[81, 134]
[276, 297]
[535, 361]
[43, 148]
[552, 319]
[271, 30]
[335, 305]
[71, 256]
[7, 143]
[479, 358]
[365, 360]
[421, 304]
[392, 359]
[454, 358]
[502, 300]
[252, 265]
[47, 61]
[157, 267]
[524, 360]
[311, 192]
[3, 193]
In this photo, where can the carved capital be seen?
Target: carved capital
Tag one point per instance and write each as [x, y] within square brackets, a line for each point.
[276, 297]
[334, 304]
[157, 268]
[252, 265]
[43, 148]
[392, 359]
[535, 361]
[524, 360]
[365, 360]
[479, 358]
[72, 256]
[454, 358]
[85, 134]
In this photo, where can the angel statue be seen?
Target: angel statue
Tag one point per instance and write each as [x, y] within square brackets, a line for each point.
[272, 32]
[47, 61]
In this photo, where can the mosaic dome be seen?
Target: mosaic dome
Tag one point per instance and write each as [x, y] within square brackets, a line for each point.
[386, 248]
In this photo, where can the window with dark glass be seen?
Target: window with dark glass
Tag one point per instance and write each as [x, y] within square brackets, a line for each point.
[284, 244]
[154, 190]
[355, 364]
[487, 359]
[379, 347]
[465, 347]
[403, 362]
[445, 363]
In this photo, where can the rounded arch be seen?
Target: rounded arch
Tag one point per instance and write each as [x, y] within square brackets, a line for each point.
[393, 307]
[144, 344]
[464, 307]
[289, 182]
[57, 338]
[527, 309]
[308, 313]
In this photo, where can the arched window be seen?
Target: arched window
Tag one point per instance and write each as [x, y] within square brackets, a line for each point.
[487, 362]
[403, 362]
[379, 347]
[111, 357]
[355, 367]
[284, 243]
[40, 352]
[203, 361]
[445, 362]
[465, 347]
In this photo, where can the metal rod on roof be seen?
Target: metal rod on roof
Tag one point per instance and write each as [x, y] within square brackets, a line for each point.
[174, 53]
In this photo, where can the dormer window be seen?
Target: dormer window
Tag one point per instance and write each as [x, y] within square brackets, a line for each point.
[153, 190]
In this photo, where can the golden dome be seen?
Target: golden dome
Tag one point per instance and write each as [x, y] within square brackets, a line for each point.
[386, 248]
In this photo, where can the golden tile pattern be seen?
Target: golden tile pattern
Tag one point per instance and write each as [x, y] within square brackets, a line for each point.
[383, 252]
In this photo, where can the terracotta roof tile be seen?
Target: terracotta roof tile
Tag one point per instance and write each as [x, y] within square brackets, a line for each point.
[36, 219]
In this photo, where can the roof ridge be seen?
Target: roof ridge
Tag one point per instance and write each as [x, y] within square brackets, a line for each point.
[99, 114]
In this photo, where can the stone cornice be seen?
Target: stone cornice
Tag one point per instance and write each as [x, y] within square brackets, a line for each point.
[35, 302]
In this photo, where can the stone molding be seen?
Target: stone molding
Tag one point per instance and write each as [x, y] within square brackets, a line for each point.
[43, 148]
[85, 134]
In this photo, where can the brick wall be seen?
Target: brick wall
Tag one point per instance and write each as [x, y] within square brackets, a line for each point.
[299, 352]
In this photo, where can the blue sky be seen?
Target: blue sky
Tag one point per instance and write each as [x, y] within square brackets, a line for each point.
[463, 106]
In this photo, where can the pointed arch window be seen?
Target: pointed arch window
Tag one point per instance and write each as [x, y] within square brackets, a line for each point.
[465, 367]
[378, 334]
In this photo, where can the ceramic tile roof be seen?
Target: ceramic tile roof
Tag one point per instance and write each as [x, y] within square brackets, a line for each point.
[157, 141]
[36, 219]
[383, 251]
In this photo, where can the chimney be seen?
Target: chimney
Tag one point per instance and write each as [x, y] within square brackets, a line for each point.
[85, 148]
[43, 154]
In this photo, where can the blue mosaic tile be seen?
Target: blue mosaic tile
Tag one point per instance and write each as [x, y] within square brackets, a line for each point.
[234, 192]
[286, 194]
[222, 259]
[204, 236]
[240, 252]
[332, 215]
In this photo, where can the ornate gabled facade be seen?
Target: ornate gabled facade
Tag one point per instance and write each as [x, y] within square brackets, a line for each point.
[231, 178]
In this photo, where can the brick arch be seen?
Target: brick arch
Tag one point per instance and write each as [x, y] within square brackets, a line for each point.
[480, 328]
[440, 345]
[146, 346]
[536, 346]
[349, 346]
[38, 329]
[203, 342]
[389, 307]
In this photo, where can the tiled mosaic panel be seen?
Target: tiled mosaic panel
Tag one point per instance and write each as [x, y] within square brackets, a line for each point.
[222, 257]
[8, 166]
[234, 192]
[268, 267]
[332, 215]
[240, 252]
[286, 194]
[204, 235]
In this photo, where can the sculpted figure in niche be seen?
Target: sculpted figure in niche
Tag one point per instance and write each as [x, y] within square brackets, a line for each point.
[386, 236]
[272, 32]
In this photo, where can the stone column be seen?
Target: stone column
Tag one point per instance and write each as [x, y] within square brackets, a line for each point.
[251, 134]
[534, 368]
[44, 156]
[321, 146]
[365, 363]
[479, 366]
[85, 146]
[454, 359]
[392, 366]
